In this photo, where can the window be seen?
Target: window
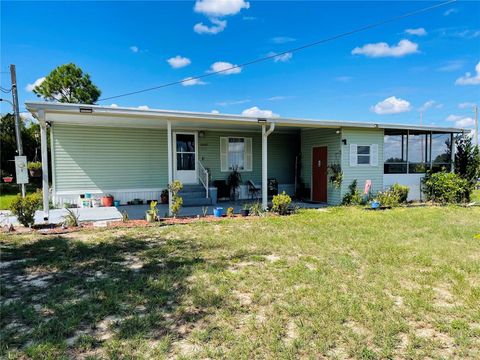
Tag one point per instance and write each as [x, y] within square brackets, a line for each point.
[395, 151]
[236, 153]
[363, 155]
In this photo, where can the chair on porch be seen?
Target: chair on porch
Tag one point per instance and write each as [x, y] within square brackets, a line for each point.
[223, 191]
[253, 190]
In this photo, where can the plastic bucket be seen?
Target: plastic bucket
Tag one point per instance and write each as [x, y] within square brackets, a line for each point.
[116, 203]
[375, 204]
[218, 212]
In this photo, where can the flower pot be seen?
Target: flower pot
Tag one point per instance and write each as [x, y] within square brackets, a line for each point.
[96, 203]
[164, 199]
[35, 172]
[116, 203]
[218, 212]
[245, 212]
[375, 204]
[107, 201]
[8, 179]
[150, 217]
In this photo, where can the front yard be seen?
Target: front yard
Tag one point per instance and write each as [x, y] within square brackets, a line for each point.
[335, 283]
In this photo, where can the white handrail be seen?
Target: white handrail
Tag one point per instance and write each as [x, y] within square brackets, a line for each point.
[203, 179]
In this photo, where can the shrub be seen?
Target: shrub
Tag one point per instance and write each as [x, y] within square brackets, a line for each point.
[353, 196]
[388, 198]
[24, 208]
[401, 191]
[256, 209]
[177, 201]
[71, 219]
[445, 187]
[230, 212]
[281, 203]
[467, 162]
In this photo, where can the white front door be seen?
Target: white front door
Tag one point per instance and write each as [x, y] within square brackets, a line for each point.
[185, 150]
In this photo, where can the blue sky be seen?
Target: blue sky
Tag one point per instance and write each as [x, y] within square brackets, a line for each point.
[387, 74]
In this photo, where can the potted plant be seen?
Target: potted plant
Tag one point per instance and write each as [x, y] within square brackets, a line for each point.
[245, 210]
[96, 202]
[152, 213]
[230, 212]
[35, 168]
[8, 179]
[234, 180]
[107, 200]
[164, 196]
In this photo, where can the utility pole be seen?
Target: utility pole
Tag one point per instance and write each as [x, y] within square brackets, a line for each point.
[475, 132]
[16, 112]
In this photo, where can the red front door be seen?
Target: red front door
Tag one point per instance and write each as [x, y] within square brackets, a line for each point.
[319, 174]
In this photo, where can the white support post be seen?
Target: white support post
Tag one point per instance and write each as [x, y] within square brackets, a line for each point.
[265, 135]
[170, 163]
[44, 150]
[264, 168]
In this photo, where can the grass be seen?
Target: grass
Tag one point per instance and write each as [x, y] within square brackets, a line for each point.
[338, 283]
[6, 200]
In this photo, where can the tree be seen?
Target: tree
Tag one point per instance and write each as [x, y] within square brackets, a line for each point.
[467, 161]
[68, 84]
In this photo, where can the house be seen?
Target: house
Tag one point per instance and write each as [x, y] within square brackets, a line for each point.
[132, 153]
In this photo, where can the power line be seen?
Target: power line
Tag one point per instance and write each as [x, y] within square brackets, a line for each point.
[265, 58]
[5, 90]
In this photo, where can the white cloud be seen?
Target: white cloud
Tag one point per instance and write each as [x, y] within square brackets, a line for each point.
[282, 39]
[217, 27]
[461, 121]
[449, 12]
[451, 65]
[114, 105]
[278, 98]
[191, 81]
[179, 62]
[469, 79]
[134, 49]
[282, 57]
[256, 112]
[27, 117]
[226, 68]
[220, 7]
[418, 32]
[382, 49]
[143, 107]
[391, 105]
[37, 82]
[430, 104]
[466, 105]
[215, 112]
[232, 102]
[343, 79]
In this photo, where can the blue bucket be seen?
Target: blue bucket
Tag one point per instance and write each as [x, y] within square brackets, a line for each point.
[218, 212]
[116, 203]
[88, 196]
[375, 204]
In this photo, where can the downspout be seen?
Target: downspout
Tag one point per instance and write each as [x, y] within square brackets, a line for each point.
[265, 134]
[44, 152]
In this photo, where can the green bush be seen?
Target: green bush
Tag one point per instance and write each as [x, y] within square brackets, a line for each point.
[401, 191]
[353, 196]
[388, 198]
[35, 165]
[445, 187]
[281, 203]
[24, 208]
[256, 209]
[177, 200]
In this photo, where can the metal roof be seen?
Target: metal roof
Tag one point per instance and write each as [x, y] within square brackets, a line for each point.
[98, 110]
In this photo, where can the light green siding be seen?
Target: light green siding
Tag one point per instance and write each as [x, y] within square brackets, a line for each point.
[320, 137]
[362, 172]
[282, 149]
[108, 158]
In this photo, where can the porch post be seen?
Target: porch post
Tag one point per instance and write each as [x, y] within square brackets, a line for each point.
[170, 163]
[264, 168]
[44, 151]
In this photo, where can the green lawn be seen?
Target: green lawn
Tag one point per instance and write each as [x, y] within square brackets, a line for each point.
[6, 200]
[336, 283]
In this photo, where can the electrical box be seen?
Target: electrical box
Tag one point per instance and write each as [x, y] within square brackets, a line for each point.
[21, 169]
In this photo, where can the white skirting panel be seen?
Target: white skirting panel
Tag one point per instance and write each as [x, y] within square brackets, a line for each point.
[72, 197]
[413, 181]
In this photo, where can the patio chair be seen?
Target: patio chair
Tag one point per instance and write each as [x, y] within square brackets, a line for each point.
[253, 190]
[223, 191]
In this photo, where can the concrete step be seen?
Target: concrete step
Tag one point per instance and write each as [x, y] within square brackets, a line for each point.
[187, 201]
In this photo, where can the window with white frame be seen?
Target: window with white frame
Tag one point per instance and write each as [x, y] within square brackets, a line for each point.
[235, 153]
[363, 155]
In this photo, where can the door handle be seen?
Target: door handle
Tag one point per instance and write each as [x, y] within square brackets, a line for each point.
[319, 163]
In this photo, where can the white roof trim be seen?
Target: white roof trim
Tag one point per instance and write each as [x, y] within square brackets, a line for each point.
[52, 107]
